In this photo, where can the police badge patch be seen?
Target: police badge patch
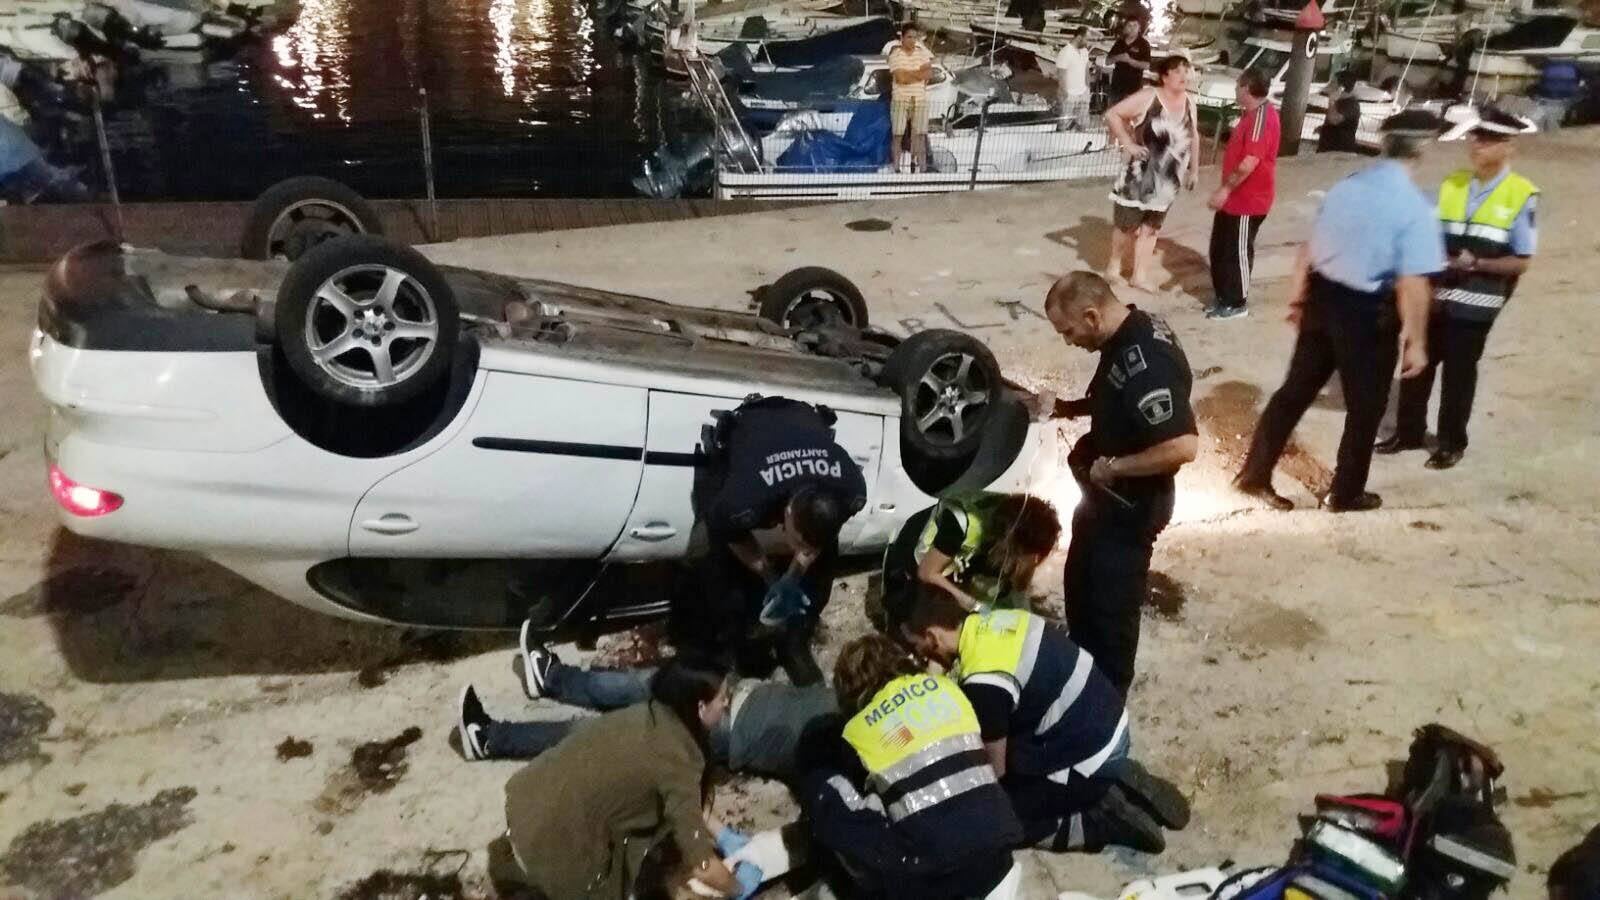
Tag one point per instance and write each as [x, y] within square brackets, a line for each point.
[1133, 360]
[1115, 376]
[1156, 406]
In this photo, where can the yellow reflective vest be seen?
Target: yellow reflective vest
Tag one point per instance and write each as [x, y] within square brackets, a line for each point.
[1486, 234]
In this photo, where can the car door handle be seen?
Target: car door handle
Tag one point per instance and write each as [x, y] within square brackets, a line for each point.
[391, 523]
[653, 531]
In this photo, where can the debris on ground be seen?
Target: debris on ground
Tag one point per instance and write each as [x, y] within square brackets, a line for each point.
[23, 719]
[633, 649]
[293, 748]
[1167, 597]
[869, 225]
[375, 768]
[88, 854]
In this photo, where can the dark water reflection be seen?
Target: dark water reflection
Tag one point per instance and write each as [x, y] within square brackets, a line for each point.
[527, 98]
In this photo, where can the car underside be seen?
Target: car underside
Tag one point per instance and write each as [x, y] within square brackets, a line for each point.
[372, 435]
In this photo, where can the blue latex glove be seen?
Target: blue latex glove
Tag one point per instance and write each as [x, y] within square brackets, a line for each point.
[785, 600]
[749, 878]
[730, 841]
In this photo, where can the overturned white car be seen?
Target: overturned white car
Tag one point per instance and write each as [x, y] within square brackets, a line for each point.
[368, 434]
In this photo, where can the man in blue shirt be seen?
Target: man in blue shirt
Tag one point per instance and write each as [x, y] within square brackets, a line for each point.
[1487, 213]
[1373, 245]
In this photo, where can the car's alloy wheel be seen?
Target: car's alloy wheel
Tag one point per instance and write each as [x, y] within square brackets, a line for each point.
[948, 384]
[297, 215]
[371, 326]
[951, 400]
[814, 297]
[308, 223]
[366, 322]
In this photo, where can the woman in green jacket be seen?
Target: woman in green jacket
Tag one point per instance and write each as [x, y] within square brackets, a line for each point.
[582, 816]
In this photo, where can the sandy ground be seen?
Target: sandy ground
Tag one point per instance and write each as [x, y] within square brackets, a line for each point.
[168, 730]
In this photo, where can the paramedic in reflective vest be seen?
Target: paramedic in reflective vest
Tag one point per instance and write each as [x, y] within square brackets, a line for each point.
[775, 463]
[1490, 235]
[1055, 728]
[904, 799]
[981, 547]
[1141, 431]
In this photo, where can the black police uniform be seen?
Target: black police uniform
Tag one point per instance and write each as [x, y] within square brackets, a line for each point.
[1138, 398]
[771, 447]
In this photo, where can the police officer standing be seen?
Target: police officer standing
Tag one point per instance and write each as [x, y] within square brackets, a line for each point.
[1489, 234]
[1141, 432]
[1373, 245]
[775, 463]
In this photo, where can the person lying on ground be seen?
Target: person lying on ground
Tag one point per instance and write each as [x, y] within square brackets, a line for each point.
[581, 817]
[1054, 727]
[980, 547]
[899, 796]
[758, 736]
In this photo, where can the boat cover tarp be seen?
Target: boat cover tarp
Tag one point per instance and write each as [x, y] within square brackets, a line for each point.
[830, 80]
[1536, 33]
[861, 39]
[863, 147]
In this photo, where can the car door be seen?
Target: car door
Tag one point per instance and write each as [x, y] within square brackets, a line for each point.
[545, 468]
[663, 519]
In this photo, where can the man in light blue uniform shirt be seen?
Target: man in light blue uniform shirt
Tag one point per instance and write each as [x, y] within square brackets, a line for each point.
[1359, 299]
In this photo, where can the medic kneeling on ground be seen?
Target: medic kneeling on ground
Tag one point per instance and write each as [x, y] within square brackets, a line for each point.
[981, 548]
[903, 803]
[773, 462]
[1053, 726]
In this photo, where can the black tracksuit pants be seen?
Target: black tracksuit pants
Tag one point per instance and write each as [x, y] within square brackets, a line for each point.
[1345, 331]
[1455, 346]
[1233, 256]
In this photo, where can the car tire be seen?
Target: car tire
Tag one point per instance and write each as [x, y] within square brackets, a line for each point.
[395, 346]
[297, 214]
[813, 296]
[949, 384]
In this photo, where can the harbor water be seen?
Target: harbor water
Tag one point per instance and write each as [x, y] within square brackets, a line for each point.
[526, 98]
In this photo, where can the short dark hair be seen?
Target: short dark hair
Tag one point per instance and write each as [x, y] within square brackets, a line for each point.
[1167, 63]
[1078, 287]
[1346, 79]
[1255, 81]
[931, 607]
[819, 513]
[909, 25]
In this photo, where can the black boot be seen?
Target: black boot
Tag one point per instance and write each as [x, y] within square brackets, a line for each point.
[1155, 795]
[1113, 821]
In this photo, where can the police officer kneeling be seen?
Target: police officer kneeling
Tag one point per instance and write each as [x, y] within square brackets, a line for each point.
[1054, 727]
[776, 463]
[904, 801]
[1490, 234]
[1141, 431]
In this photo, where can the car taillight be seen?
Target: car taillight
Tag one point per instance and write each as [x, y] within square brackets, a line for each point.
[80, 499]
